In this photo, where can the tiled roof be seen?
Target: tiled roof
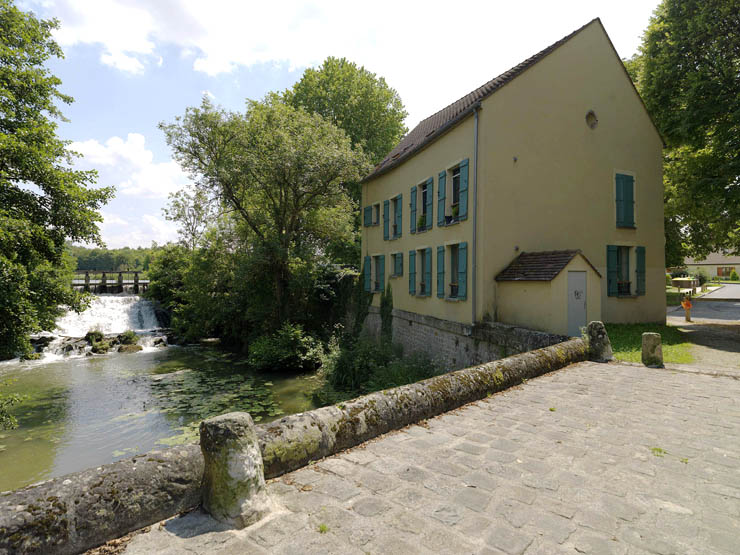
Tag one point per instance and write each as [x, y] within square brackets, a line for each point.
[432, 127]
[539, 266]
[715, 258]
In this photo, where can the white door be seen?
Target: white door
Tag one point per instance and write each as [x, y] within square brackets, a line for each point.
[576, 303]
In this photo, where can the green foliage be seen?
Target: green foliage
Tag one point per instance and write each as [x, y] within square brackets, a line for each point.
[626, 340]
[100, 347]
[355, 100]
[734, 276]
[687, 74]
[289, 349]
[358, 361]
[121, 259]
[128, 337]
[702, 276]
[386, 314]
[668, 281]
[7, 420]
[94, 336]
[43, 202]
[411, 369]
[279, 171]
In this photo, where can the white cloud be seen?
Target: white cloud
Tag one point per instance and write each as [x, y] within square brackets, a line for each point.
[138, 231]
[431, 52]
[130, 166]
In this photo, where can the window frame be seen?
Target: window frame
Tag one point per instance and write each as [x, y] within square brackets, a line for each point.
[618, 224]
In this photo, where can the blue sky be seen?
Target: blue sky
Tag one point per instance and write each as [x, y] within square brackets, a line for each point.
[131, 64]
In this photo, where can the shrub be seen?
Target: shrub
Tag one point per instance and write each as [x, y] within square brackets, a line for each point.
[357, 361]
[702, 276]
[679, 272]
[128, 337]
[668, 280]
[734, 276]
[93, 336]
[100, 347]
[288, 349]
[411, 369]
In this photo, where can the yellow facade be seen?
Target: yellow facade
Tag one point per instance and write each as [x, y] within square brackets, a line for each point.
[545, 181]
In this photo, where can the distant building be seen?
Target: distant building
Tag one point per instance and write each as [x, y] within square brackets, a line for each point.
[536, 200]
[715, 265]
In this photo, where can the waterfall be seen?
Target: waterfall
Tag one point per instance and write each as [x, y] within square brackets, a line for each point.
[110, 314]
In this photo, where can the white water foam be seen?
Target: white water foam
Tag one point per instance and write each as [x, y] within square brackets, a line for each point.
[110, 314]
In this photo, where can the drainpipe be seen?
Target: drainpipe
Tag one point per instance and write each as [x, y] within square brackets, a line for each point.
[474, 291]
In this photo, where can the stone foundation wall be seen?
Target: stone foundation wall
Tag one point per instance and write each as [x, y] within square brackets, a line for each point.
[456, 345]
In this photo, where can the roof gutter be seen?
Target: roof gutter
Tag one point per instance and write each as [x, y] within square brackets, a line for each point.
[474, 284]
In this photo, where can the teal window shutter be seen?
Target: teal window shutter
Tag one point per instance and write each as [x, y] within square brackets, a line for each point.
[399, 216]
[430, 203]
[620, 200]
[463, 209]
[612, 271]
[462, 269]
[413, 209]
[629, 201]
[412, 272]
[640, 252]
[381, 266]
[366, 273]
[440, 272]
[441, 191]
[368, 216]
[398, 264]
[428, 271]
[386, 220]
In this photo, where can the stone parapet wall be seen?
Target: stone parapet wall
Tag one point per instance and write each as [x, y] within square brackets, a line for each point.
[73, 513]
[456, 345]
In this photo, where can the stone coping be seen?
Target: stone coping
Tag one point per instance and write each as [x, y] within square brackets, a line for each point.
[79, 511]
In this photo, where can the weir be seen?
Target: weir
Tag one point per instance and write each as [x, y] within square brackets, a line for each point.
[110, 281]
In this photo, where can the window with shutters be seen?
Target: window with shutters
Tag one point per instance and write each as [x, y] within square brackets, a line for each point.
[375, 220]
[625, 268]
[423, 272]
[421, 206]
[424, 217]
[452, 194]
[397, 206]
[456, 271]
[378, 273]
[625, 200]
[396, 264]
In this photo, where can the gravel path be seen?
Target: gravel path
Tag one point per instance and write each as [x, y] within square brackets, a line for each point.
[594, 458]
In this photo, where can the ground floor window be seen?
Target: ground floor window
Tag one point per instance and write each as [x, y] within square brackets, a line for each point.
[626, 270]
[623, 271]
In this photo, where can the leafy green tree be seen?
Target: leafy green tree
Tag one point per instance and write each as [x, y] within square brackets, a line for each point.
[279, 172]
[687, 72]
[43, 202]
[353, 99]
[192, 210]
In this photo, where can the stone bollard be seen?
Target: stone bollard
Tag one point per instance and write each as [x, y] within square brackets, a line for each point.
[233, 477]
[599, 346]
[652, 350]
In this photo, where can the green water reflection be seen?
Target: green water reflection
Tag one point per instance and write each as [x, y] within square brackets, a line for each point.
[83, 412]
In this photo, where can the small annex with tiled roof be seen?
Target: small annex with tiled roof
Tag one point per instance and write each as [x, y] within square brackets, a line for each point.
[562, 289]
[542, 185]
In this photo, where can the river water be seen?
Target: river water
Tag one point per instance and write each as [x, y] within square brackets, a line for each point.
[82, 411]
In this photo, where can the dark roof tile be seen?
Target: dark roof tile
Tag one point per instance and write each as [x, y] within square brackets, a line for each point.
[539, 266]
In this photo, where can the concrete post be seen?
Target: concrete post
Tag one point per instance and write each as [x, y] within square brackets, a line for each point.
[104, 283]
[136, 282]
[599, 346]
[233, 476]
[87, 282]
[652, 350]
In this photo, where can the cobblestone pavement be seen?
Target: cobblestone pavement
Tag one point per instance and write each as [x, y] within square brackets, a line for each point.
[594, 458]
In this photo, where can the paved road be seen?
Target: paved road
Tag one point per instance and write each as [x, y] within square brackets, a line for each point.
[711, 312]
[725, 292]
[609, 458]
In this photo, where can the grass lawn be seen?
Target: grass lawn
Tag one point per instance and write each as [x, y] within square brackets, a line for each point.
[626, 342]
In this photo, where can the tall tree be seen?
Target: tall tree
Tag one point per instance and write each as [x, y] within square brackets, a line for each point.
[43, 202]
[687, 73]
[281, 172]
[353, 99]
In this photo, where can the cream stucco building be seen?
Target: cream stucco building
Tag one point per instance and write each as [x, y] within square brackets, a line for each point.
[556, 154]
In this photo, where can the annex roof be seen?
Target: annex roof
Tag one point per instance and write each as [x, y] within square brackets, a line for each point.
[540, 266]
[437, 124]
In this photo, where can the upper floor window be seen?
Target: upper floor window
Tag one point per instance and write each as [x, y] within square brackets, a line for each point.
[392, 217]
[625, 195]
[421, 216]
[452, 194]
[376, 214]
[371, 215]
